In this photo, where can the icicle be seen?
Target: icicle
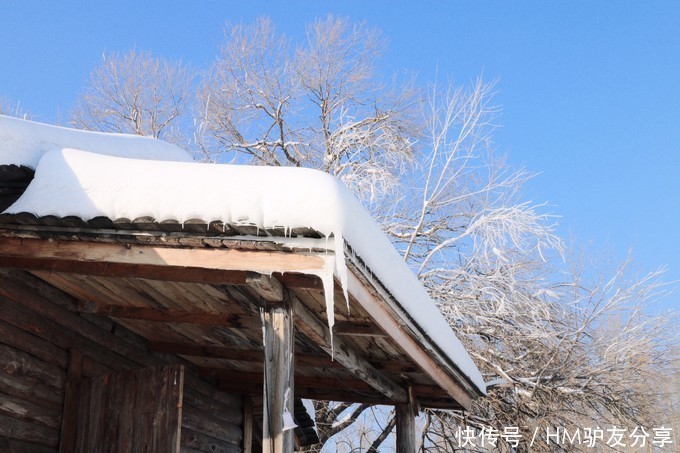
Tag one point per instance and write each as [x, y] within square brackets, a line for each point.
[328, 292]
[288, 421]
[341, 267]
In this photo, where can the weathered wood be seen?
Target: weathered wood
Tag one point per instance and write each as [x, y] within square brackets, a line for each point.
[264, 262]
[160, 273]
[194, 441]
[278, 385]
[256, 355]
[18, 363]
[406, 428]
[133, 411]
[24, 341]
[248, 422]
[358, 329]
[315, 330]
[14, 445]
[38, 414]
[265, 286]
[195, 419]
[69, 419]
[30, 390]
[15, 428]
[171, 316]
[377, 308]
[67, 330]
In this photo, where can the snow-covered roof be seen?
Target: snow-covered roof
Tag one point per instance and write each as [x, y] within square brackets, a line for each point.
[77, 182]
[24, 142]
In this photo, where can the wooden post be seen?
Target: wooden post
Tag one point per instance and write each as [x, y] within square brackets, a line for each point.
[406, 425]
[278, 377]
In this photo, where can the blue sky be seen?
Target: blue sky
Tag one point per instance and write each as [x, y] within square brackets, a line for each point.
[589, 90]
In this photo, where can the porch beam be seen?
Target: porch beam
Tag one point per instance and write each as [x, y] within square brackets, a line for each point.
[170, 315]
[336, 347]
[222, 259]
[386, 318]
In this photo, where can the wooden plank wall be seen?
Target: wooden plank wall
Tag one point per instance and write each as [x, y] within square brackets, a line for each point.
[39, 328]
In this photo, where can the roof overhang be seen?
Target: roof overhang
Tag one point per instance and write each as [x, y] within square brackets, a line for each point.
[70, 247]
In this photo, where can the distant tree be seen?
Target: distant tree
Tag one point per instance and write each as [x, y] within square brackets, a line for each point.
[10, 108]
[136, 93]
[560, 346]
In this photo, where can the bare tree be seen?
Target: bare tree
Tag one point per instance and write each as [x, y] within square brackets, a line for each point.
[15, 109]
[136, 93]
[560, 350]
[318, 104]
[560, 346]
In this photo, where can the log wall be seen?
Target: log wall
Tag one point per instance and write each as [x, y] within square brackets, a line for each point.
[40, 329]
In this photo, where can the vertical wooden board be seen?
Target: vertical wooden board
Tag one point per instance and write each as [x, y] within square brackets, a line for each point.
[127, 406]
[143, 429]
[133, 411]
[247, 424]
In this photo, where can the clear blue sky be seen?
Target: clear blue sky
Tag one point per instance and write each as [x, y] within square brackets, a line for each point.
[589, 90]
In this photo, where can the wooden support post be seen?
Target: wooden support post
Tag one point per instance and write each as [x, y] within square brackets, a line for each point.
[406, 425]
[278, 377]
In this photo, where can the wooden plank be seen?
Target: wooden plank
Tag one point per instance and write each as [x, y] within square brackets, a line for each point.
[30, 390]
[248, 422]
[265, 286]
[278, 388]
[70, 330]
[150, 272]
[358, 329]
[256, 355]
[171, 315]
[344, 353]
[69, 421]
[24, 341]
[264, 262]
[38, 414]
[18, 363]
[194, 419]
[377, 308]
[137, 410]
[15, 428]
[195, 441]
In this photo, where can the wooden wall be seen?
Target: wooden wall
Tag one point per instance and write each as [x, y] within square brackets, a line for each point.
[40, 329]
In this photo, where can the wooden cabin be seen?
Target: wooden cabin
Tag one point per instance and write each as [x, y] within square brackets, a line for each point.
[158, 334]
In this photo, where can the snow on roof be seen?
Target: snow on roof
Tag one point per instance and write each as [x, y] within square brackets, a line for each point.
[71, 182]
[24, 142]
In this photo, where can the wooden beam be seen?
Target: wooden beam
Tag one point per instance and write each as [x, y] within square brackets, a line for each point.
[171, 315]
[323, 388]
[264, 262]
[265, 286]
[343, 352]
[161, 273]
[357, 329]
[278, 390]
[256, 355]
[386, 318]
